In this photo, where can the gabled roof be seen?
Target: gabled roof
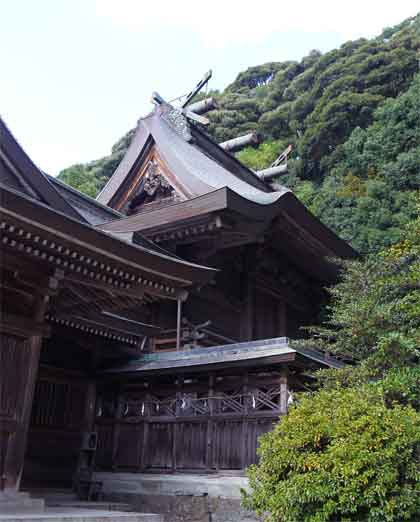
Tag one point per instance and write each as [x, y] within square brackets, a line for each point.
[18, 171]
[308, 242]
[89, 208]
[198, 163]
[25, 212]
[29, 196]
[212, 180]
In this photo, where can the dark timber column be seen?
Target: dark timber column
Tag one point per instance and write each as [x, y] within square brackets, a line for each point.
[14, 362]
[248, 296]
[284, 390]
[20, 346]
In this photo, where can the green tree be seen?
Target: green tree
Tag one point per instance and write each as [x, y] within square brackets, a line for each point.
[374, 313]
[350, 451]
[340, 455]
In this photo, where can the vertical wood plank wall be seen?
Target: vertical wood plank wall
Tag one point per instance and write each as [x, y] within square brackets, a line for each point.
[57, 421]
[187, 428]
[14, 357]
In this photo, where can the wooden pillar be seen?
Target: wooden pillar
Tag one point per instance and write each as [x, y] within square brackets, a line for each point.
[145, 440]
[117, 427]
[20, 347]
[178, 395]
[178, 323]
[284, 391]
[245, 421]
[210, 426]
[248, 299]
[90, 412]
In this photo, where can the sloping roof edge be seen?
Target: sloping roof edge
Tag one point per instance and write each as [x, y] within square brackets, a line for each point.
[131, 157]
[138, 257]
[275, 350]
[32, 175]
[225, 198]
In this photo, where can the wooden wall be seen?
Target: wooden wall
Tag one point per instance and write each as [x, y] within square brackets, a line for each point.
[14, 368]
[188, 427]
[57, 422]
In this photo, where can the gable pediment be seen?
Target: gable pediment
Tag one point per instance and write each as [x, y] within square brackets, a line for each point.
[152, 186]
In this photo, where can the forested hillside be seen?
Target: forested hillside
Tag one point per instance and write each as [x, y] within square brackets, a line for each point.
[353, 118]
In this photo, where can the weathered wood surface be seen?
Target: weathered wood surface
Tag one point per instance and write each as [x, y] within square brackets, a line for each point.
[272, 172]
[239, 143]
[193, 425]
[63, 408]
[203, 106]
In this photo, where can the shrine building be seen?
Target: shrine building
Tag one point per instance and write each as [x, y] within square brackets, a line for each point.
[150, 331]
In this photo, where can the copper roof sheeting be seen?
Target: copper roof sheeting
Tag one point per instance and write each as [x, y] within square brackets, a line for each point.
[273, 351]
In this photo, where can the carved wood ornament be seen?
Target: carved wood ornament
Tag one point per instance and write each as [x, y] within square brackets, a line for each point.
[153, 187]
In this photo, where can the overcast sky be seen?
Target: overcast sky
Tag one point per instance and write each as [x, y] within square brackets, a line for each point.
[77, 74]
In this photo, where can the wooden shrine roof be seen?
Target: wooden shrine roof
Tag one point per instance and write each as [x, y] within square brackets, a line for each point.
[18, 170]
[18, 211]
[210, 181]
[198, 163]
[295, 230]
[89, 208]
[263, 352]
[47, 234]
[30, 197]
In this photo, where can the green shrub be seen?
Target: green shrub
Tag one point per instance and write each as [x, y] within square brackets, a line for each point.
[341, 455]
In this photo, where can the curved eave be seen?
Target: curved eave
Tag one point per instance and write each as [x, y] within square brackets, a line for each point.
[26, 210]
[265, 209]
[131, 160]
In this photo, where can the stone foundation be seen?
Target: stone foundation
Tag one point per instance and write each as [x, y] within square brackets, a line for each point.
[16, 501]
[180, 498]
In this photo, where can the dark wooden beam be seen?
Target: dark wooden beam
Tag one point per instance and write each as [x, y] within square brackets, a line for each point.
[23, 326]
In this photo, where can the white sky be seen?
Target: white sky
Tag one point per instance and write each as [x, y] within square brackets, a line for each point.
[77, 74]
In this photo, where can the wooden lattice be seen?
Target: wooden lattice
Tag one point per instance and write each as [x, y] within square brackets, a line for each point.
[266, 399]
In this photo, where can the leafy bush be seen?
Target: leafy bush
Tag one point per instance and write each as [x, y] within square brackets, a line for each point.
[351, 451]
[341, 455]
[374, 314]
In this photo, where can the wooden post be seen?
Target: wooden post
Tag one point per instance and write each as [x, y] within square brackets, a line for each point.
[178, 323]
[89, 420]
[144, 448]
[245, 422]
[210, 442]
[117, 428]
[248, 299]
[178, 395]
[284, 392]
[19, 360]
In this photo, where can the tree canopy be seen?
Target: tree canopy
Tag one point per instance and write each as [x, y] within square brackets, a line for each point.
[351, 115]
[350, 450]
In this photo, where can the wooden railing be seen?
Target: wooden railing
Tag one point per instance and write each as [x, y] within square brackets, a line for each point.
[190, 339]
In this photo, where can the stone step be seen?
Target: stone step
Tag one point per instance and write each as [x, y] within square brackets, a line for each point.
[79, 515]
[89, 504]
[19, 501]
[66, 495]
